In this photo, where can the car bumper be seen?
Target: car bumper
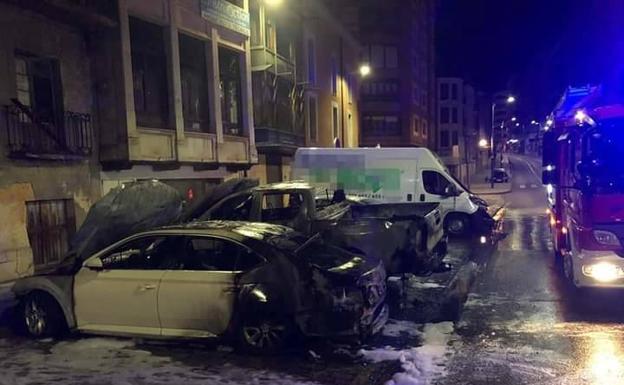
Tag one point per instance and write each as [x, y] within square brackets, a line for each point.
[598, 269]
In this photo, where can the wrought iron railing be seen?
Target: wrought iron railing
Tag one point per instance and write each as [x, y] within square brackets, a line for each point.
[69, 134]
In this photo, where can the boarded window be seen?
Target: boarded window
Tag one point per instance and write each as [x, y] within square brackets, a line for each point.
[51, 224]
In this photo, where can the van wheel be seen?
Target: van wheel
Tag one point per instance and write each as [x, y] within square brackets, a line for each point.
[41, 316]
[456, 225]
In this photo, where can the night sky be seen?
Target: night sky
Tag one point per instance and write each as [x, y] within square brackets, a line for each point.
[535, 48]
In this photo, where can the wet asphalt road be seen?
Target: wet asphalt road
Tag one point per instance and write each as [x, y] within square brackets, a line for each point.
[521, 325]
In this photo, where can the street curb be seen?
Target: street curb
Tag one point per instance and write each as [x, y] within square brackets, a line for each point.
[494, 193]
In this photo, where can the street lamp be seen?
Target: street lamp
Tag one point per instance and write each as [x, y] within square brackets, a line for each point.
[513, 119]
[510, 100]
[483, 143]
[365, 70]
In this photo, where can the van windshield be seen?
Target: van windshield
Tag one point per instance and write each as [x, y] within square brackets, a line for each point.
[449, 174]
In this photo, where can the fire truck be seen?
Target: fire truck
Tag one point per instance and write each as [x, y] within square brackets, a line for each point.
[583, 170]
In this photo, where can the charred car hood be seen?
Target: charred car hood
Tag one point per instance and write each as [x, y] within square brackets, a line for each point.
[350, 271]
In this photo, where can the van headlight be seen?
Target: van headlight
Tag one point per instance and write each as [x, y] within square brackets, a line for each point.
[606, 238]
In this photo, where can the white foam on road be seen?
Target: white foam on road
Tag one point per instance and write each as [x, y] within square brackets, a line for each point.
[120, 362]
[422, 364]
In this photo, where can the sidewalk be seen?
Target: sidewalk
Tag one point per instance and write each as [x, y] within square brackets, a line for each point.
[479, 186]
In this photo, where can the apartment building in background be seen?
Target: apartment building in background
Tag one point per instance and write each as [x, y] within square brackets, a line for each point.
[397, 100]
[305, 74]
[98, 93]
[464, 119]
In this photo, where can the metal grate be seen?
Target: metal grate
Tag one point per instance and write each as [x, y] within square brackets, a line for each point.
[51, 224]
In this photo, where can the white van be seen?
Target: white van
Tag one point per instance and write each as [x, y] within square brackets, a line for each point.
[404, 174]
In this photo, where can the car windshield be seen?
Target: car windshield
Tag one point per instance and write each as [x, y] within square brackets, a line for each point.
[313, 250]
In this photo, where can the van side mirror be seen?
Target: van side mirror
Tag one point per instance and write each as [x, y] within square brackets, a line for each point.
[451, 191]
[550, 176]
[94, 264]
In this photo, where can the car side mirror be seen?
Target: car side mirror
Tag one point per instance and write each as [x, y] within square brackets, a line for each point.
[94, 264]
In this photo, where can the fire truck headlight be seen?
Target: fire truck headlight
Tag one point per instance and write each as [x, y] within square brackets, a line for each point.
[603, 271]
[606, 238]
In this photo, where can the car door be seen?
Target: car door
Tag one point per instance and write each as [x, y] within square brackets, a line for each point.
[121, 296]
[435, 184]
[197, 299]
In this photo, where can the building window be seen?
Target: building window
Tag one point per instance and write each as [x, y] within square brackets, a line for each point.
[444, 115]
[194, 84]
[38, 85]
[230, 86]
[454, 120]
[381, 125]
[454, 91]
[455, 138]
[311, 62]
[312, 119]
[444, 91]
[149, 74]
[382, 56]
[269, 34]
[416, 125]
[424, 128]
[385, 89]
[334, 121]
[392, 60]
[50, 225]
[377, 56]
[444, 139]
[350, 86]
[334, 76]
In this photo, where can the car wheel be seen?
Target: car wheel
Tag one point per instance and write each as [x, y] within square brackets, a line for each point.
[264, 333]
[42, 316]
[457, 225]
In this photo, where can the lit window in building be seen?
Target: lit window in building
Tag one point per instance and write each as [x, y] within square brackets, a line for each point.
[194, 84]
[381, 125]
[230, 86]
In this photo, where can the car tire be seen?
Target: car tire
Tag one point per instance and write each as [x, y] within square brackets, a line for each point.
[264, 333]
[456, 225]
[41, 316]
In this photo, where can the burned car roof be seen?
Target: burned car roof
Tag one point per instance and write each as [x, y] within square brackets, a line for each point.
[255, 230]
[293, 185]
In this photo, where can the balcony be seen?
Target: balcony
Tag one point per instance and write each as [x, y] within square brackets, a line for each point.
[274, 140]
[70, 138]
[265, 59]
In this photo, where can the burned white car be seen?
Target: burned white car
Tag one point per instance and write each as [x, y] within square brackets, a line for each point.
[256, 283]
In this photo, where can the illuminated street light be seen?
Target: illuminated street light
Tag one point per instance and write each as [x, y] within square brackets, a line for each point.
[511, 99]
[514, 119]
[549, 122]
[483, 143]
[580, 116]
[534, 122]
[517, 124]
[365, 70]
